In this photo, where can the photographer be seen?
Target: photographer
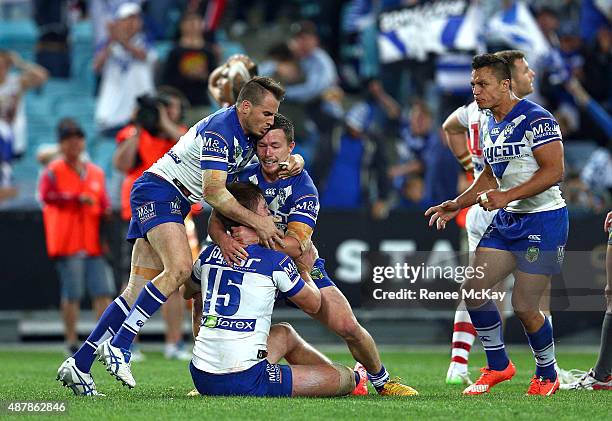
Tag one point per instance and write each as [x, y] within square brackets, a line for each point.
[156, 128]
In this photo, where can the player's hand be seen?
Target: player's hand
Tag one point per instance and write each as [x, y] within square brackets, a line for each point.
[492, 199]
[306, 261]
[293, 166]
[608, 222]
[245, 235]
[442, 213]
[232, 250]
[268, 233]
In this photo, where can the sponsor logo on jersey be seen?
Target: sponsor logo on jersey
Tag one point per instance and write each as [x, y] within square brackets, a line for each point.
[532, 254]
[316, 273]
[508, 130]
[175, 206]
[534, 238]
[270, 192]
[505, 152]
[290, 269]
[213, 145]
[174, 156]
[236, 325]
[146, 212]
[495, 131]
[546, 129]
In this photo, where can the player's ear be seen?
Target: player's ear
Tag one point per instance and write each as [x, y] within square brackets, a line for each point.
[291, 146]
[245, 106]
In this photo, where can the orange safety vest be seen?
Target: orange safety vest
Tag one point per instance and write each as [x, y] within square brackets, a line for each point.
[150, 149]
[75, 227]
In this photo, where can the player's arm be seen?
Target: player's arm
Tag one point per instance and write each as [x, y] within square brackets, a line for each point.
[456, 135]
[217, 196]
[192, 289]
[447, 210]
[308, 298]
[296, 240]
[33, 75]
[231, 248]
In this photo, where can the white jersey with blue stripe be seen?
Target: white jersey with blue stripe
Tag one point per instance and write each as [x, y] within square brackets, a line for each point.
[293, 199]
[216, 142]
[508, 149]
[237, 306]
[473, 119]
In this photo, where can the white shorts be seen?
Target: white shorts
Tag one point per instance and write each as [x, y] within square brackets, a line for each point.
[477, 221]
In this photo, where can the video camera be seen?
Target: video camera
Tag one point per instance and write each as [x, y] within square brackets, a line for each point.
[148, 112]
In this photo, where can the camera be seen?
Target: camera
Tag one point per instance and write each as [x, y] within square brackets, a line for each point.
[148, 112]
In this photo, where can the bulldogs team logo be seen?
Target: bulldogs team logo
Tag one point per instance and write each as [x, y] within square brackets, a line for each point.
[175, 206]
[282, 197]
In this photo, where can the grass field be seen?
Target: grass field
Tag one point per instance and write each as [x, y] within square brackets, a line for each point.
[162, 386]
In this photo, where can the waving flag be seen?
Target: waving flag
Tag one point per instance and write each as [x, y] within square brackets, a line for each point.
[434, 27]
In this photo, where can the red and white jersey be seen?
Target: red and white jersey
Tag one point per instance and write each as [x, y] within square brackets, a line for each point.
[473, 118]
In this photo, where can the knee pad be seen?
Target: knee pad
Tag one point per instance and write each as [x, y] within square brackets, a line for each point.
[347, 379]
[139, 277]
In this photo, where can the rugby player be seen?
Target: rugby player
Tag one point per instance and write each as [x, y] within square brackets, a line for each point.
[523, 156]
[600, 376]
[195, 168]
[236, 351]
[294, 201]
[465, 123]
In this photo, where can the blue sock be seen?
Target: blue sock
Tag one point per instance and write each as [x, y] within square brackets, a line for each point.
[543, 347]
[109, 323]
[148, 302]
[379, 379]
[488, 325]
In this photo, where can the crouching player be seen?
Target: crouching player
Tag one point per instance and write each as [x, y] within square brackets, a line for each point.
[236, 350]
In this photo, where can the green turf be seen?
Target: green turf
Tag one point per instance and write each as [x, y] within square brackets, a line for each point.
[162, 386]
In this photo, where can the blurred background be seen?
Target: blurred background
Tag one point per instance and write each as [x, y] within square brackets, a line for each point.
[369, 83]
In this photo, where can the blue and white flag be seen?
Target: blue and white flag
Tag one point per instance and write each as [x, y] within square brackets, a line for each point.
[434, 27]
[517, 28]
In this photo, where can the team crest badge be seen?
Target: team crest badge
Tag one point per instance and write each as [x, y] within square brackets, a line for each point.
[532, 254]
[237, 152]
[282, 197]
[316, 273]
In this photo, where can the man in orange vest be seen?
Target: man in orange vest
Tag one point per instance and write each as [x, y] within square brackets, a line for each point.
[75, 201]
[139, 145]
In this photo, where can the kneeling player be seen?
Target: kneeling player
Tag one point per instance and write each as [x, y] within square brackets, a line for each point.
[236, 351]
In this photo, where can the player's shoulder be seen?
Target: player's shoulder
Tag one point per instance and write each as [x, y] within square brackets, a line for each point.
[302, 184]
[249, 173]
[220, 123]
[534, 111]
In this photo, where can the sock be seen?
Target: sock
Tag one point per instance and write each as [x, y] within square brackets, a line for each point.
[603, 368]
[543, 347]
[378, 380]
[109, 323]
[463, 338]
[148, 302]
[488, 325]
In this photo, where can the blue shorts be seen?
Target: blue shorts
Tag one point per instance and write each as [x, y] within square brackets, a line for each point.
[154, 201]
[263, 379]
[536, 239]
[79, 270]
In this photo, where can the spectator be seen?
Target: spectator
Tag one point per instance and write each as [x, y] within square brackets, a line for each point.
[189, 65]
[126, 63]
[12, 88]
[75, 203]
[139, 145]
[427, 172]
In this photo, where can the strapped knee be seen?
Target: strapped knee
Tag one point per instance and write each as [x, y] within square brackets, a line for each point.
[139, 277]
[347, 379]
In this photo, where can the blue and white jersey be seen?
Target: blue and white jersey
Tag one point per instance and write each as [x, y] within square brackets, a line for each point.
[473, 119]
[216, 142]
[509, 146]
[237, 306]
[294, 199]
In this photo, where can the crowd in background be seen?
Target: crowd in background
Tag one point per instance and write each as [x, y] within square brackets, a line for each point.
[368, 128]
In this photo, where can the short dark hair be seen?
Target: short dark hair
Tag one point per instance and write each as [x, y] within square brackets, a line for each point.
[498, 65]
[255, 90]
[247, 194]
[68, 127]
[283, 123]
[511, 56]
